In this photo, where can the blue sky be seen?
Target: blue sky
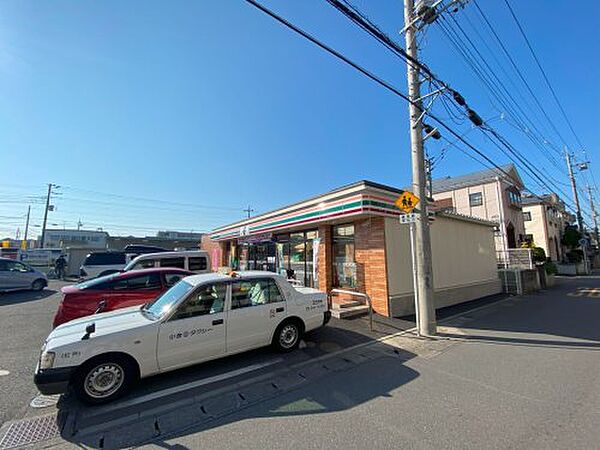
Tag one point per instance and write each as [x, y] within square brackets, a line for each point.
[177, 115]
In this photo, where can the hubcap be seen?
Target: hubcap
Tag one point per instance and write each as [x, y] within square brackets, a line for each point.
[104, 380]
[288, 336]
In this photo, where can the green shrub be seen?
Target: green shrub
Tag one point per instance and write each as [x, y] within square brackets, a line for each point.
[575, 256]
[550, 268]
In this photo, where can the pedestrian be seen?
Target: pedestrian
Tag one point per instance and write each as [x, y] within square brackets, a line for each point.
[59, 267]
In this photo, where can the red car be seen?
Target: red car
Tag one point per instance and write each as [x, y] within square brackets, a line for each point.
[114, 291]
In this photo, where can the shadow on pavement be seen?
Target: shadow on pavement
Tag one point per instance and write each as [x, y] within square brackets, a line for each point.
[558, 317]
[16, 297]
[368, 372]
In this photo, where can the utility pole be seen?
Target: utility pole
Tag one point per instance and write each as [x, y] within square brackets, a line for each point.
[574, 187]
[24, 244]
[428, 170]
[248, 211]
[50, 186]
[594, 218]
[426, 308]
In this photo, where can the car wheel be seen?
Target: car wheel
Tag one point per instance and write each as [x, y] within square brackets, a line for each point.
[287, 336]
[104, 379]
[38, 285]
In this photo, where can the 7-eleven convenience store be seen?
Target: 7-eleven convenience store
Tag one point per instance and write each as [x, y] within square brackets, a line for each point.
[351, 238]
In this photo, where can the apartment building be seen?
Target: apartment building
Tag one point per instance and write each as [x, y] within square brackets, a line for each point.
[545, 219]
[493, 195]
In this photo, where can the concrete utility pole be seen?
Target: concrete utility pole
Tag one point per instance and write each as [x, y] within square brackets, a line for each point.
[248, 211]
[594, 218]
[50, 186]
[426, 310]
[574, 187]
[26, 228]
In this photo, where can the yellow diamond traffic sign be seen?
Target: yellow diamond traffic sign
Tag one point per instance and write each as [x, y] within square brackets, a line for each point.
[407, 202]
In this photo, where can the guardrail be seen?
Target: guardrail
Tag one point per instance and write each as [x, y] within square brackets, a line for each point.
[361, 295]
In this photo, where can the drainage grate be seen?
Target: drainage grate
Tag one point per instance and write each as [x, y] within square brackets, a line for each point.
[29, 431]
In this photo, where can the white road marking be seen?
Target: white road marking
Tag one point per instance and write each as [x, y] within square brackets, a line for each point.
[43, 401]
[3, 372]
[176, 389]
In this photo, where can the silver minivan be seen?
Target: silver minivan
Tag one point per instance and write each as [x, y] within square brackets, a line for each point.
[15, 275]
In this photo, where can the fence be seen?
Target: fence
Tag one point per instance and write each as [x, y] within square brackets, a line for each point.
[515, 258]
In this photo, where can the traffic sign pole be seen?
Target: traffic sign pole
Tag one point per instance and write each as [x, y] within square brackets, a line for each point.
[411, 231]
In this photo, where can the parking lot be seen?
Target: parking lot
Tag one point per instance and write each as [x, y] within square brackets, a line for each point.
[208, 390]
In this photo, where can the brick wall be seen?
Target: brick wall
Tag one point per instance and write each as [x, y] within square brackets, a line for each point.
[215, 251]
[369, 237]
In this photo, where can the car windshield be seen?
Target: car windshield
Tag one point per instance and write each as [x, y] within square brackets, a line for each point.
[90, 284]
[164, 303]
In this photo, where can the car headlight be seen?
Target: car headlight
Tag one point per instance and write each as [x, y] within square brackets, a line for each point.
[47, 360]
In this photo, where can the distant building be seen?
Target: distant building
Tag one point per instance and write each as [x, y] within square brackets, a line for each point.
[75, 238]
[180, 235]
[119, 242]
[545, 219]
[493, 195]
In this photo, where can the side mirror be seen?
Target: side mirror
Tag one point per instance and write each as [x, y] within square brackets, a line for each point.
[91, 328]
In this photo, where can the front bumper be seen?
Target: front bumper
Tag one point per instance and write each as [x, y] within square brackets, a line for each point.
[326, 317]
[53, 381]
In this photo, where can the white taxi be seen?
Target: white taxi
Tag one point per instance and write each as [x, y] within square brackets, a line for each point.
[203, 317]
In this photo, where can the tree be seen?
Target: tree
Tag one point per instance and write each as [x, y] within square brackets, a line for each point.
[571, 237]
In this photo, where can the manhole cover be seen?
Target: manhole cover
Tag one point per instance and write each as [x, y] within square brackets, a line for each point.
[29, 431]
[43, 401]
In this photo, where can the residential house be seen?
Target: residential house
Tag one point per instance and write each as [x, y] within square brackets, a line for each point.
[492, 194]
[545, 219]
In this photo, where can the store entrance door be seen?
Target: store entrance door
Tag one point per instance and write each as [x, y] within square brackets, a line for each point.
[295, 253]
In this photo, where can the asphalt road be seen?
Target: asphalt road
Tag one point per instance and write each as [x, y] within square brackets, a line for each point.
[25, 321]
[514, 373]
[519, 374]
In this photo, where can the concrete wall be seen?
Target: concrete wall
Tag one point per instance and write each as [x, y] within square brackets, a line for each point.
[464, 263]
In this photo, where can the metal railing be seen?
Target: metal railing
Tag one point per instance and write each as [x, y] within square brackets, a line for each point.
[515, 258]
[357, 294]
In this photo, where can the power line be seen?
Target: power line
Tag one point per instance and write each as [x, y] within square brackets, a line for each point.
[355, 16]
[489, 78]
[519, 73]
[537, 61]
[371, 76]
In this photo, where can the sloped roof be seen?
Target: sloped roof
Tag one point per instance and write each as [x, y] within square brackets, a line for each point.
[471, 179]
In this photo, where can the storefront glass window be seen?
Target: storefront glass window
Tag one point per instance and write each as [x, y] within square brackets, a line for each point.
[295, 256]
[344, 266]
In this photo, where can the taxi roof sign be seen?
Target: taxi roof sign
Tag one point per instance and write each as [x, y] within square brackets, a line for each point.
[407, 201]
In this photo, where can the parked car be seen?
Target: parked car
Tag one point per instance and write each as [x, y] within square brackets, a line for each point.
[196, 261]
[201, 318]
[97, 264]
[115, 291]
[15, 275]
[134, 250]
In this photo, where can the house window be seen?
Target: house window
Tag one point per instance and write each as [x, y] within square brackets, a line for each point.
[514, 198]
[527, 216]
[344, 265]
[476, 199]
